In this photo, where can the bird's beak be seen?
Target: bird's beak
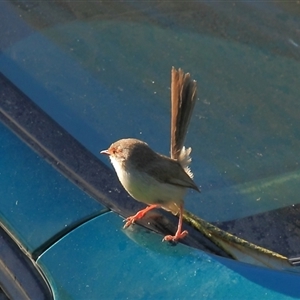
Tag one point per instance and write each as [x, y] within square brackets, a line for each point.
[105, 152]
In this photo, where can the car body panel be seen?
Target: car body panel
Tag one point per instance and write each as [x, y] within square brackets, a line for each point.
[37, 202]
[98, 260]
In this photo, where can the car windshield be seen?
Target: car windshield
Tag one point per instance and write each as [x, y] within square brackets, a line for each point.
[102, 71]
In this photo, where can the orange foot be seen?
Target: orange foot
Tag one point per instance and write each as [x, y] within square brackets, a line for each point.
[179, 233]
[140, 214]
[176, 237]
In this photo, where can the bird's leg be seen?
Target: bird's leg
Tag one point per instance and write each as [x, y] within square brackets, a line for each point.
[140, 214]
[179, 233]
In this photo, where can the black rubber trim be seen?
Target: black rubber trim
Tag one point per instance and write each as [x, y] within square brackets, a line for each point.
[19, 277]
[277, 230]
[78, 164]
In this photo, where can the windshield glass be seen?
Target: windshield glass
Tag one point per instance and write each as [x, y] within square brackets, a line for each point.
[102, 71]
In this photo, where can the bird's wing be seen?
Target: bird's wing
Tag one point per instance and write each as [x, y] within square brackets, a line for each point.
[175, 175]
[184, 182]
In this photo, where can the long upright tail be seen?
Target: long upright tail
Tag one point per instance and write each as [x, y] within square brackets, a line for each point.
[183, 99]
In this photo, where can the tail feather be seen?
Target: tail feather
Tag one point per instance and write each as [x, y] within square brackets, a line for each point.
[183, 99]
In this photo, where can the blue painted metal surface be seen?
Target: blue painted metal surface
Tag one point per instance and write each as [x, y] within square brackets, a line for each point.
[38, 204]
[98, 261]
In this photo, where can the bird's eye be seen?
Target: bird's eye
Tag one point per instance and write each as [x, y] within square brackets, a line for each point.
[115, 150]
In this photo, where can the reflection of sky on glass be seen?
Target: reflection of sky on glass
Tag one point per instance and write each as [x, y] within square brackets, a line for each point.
[105, 76]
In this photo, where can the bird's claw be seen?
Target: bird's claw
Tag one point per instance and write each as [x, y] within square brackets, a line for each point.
[129, 221]
[176, 237]
[140, 214]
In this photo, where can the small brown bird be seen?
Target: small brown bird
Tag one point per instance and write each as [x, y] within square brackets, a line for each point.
[155, 179]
